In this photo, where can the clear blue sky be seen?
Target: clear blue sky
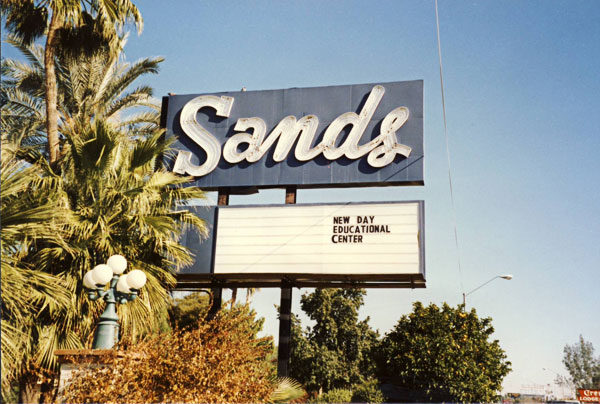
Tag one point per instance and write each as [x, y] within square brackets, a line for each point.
[522, 94]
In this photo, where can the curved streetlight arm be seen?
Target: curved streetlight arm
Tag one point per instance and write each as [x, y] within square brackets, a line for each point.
[482, 285]
[507, 277]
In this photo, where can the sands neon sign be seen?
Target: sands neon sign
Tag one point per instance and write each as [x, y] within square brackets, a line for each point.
[250, 142]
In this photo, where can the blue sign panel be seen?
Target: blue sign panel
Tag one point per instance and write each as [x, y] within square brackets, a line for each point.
[355, 135]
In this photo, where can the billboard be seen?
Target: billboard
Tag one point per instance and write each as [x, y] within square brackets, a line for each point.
[353, 135]
[361, 244]
[588, 395]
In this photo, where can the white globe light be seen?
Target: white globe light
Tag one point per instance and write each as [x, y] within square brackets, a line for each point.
[122, 285]
[88, 282]
[102, 274]
[117, 263]
[136, 279]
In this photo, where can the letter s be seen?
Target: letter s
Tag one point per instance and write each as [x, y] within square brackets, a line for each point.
[385, 153]
[202, 137]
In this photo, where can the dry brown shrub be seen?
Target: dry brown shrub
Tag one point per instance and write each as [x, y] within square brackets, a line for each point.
[219, 362]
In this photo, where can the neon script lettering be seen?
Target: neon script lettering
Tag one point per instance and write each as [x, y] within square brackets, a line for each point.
[380, 151]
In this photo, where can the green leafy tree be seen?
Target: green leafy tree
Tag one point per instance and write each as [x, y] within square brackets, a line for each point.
[187, 312]
[253, 324]
[443, 354]
[338, 350]
[581, 364]
[368, 392]
[191, 310]
[78, 23]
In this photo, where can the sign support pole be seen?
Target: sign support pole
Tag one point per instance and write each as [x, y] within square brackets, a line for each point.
[217, 293]
[285, 310]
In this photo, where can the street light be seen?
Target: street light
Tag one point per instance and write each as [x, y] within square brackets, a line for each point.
[122, 289]
[507, 277]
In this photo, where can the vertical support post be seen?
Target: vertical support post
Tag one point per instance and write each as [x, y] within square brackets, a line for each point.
[217, 293]
[285, 310]
[290, 195]
[285, 330]
[223, 198]
[217, 300]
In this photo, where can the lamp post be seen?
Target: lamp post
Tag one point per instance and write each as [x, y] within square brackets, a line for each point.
[122, 289]
[507, 277]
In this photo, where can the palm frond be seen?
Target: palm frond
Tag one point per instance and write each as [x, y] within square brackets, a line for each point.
[24, 19]
[132, 99]
[146, 151]
[110, 67]
[123, 81]
[33, 53]
[146, 119]
[29, 216]
[21, 103]
[286, 389]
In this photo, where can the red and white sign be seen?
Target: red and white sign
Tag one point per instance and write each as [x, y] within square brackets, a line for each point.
[588, 396]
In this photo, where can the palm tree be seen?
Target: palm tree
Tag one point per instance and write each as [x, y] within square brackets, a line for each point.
[116, 201]
[125, 205]
[90, 86]
[108, 183]
[101, 20]
[29, 212]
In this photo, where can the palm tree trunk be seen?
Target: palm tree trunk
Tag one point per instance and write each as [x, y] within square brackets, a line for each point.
[29, 389]
[52, 89]
[49, 391]
[233, 297]
[249, 293]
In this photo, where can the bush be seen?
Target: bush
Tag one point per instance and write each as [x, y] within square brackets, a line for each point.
[368, 392]
[220, 361]
[335, 396]
[186, 312]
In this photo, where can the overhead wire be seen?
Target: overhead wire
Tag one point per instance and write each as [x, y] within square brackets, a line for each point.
[439, 43]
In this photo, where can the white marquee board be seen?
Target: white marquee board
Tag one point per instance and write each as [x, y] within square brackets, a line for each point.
[340, 239]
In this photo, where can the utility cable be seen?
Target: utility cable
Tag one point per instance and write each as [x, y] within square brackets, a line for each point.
[437, 20]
